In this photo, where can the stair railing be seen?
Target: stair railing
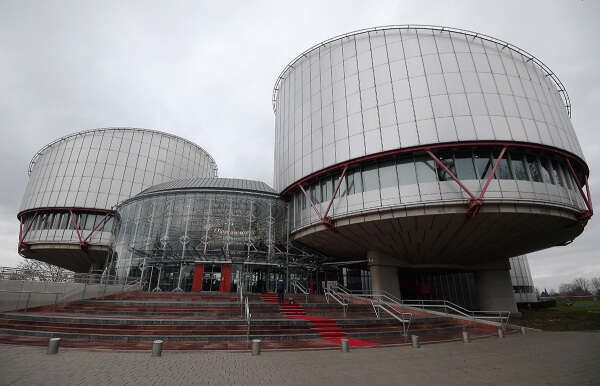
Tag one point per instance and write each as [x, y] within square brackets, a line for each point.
[248, 315]
[403, 317]
[298, 287]
[501, 317]
[330, 293]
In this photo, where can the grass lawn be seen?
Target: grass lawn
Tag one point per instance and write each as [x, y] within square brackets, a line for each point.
[566, 316]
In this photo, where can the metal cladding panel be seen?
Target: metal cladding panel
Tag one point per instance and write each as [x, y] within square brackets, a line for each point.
[384, 89]
[100, 168]
[233, 184]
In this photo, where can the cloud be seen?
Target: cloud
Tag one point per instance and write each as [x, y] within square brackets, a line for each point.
[205, 71]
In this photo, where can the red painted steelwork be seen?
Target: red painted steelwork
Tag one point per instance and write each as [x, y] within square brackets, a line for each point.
[225, 278]
[64, 209]
[76, 227]
[438, 146]
[317, 212]
[100, 224]
[198, 277]
[586, 214]
[73, 211]
[475, 204]
[449, 172]
[326, 219]
[22, 236]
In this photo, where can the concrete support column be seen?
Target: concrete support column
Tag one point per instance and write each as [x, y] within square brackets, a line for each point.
[495, 291]
[384, 273]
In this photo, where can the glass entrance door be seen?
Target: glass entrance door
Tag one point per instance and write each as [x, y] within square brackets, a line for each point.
[212, 277]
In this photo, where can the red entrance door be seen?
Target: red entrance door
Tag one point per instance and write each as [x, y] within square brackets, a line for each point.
[198, 276]
[225, 277]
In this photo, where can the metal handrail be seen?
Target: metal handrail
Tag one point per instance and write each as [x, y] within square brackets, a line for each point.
[330, 293]
[248, 315]
[403, 317]
[501, 317]
[297, 286]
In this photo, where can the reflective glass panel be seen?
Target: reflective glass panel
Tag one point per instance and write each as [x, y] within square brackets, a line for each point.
[448, 161]
[370, 178]
[426, 170]
[387, 175]
[518, 166]
[483, 164]
[406, 172]
[464, 165]
[534, 171]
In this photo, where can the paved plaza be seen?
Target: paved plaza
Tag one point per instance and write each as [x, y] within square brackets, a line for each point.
[540, 358]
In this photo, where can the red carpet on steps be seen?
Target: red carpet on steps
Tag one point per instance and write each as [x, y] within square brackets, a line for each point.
[327, 328]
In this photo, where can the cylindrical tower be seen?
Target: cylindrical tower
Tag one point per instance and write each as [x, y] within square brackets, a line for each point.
[423, 145]
[75, 182]
[186, 228]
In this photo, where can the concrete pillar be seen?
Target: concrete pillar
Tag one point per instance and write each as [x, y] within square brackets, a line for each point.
[384, 273]
[494, 290]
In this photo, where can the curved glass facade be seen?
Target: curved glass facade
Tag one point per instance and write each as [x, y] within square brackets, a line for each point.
[218, 225]
[397, 87]
[413, 179]
[76, 181]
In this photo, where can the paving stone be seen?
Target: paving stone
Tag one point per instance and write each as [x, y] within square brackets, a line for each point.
[536, 359]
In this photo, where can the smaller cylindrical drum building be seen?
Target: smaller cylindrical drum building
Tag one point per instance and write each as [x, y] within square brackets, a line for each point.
[211, 234]
[422, 147]
[74, 183]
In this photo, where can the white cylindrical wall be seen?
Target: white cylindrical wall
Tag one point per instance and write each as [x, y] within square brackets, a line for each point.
[100, 168]
[400, 87]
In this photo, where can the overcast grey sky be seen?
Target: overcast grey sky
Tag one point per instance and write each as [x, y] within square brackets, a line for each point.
[204, 70]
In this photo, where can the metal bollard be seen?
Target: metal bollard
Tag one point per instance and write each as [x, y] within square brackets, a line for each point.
[345, 345]
[157, 348]
[523, 331]
[256, 346]
[500, 333]
[415, 341]
[53, 346]
[465, 336]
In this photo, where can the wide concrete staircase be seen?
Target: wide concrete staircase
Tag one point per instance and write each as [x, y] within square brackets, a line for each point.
[217, 321]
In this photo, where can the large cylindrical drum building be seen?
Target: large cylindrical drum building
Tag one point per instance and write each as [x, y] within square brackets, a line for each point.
[212, 234]
[428, 151]
[75, 182]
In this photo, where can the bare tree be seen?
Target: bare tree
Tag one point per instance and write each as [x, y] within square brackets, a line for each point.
[578, 287]
[595, 284]
[582, 284]
[30, 269]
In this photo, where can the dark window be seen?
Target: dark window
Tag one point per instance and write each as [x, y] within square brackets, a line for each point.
[483, 164]
[503, 170]
[315, 193]
[354, 182]
[326, 189]
[518, 166]
[406, 172]
[464, 165]
[557, 174]
[448, 161]
[534, 168]
[565, 170]
[546, 171]
[387, 175]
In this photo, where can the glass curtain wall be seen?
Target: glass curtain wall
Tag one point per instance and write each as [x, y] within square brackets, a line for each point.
[183, 228]
[409, 178]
